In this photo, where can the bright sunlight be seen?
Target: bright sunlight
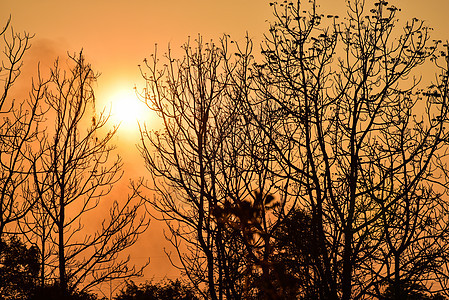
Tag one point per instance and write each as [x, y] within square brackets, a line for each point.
[127, 110]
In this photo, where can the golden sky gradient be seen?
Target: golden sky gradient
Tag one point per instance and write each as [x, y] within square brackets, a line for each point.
[116, 35]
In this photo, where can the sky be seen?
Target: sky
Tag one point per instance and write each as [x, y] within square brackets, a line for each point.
[116, 35]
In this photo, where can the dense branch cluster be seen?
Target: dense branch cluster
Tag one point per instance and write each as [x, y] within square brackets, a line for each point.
[316, 172]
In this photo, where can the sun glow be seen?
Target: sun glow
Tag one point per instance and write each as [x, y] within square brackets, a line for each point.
[127, 110]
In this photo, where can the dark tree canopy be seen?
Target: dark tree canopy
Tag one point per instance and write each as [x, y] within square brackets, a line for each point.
[163, 290]
[19, 269]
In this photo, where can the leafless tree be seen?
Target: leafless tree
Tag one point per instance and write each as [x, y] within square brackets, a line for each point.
[37, 228]
[18, 130]
[201, 164]
[364, 146]
[73, 177]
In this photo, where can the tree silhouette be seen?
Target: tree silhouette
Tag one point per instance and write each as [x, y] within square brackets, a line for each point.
[164, 290]
[18, 130]
[19, 267]
[202, 161]
[296, 256]
[362, 144]
[73, 172]
[248, 220]
[335, 121]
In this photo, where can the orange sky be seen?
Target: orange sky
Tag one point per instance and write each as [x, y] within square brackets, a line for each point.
[117, 35]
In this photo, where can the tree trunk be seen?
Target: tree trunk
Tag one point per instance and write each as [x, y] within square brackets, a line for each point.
[397, 279]
[62, 269]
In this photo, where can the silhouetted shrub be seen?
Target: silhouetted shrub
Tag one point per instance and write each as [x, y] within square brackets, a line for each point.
[166, 289]
[19, 269]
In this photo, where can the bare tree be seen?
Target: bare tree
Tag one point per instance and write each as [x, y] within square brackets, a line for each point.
[363, 146]
[73, 175]
[37, 227]
[18, 130]
[201, 164]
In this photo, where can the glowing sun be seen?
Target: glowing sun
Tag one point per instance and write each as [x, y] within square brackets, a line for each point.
[126, 109]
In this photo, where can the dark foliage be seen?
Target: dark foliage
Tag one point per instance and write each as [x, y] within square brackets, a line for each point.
[19, 270]
[297, 258]
[411, 292]
[19, 267]
[53, 292]
[164, 290]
